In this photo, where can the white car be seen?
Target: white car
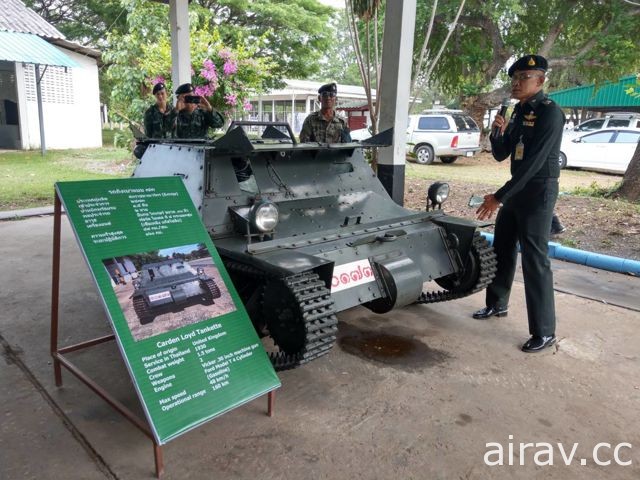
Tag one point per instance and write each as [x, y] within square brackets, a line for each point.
[446, 134]
[608, 150]
[360, 134]
[610, 120]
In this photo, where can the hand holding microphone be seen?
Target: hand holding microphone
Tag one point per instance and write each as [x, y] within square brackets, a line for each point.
[499, 121]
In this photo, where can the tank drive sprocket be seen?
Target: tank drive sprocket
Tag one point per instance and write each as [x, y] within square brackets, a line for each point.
[478, 272]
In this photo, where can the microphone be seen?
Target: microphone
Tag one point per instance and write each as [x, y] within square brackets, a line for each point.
[503, 111]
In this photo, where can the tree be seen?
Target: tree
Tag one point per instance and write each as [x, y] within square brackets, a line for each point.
[583, 41]
[83, 21]
[337, 63]
[292, 33]
[225, 74]
[630, 187]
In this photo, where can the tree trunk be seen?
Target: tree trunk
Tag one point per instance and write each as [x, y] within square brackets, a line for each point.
[630, 188]
[477, 105]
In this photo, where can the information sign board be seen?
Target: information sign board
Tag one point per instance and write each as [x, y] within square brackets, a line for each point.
[184, 334]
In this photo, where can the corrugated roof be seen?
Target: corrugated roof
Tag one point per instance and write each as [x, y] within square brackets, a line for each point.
[29, 48]
[16, 17]
[608, 95]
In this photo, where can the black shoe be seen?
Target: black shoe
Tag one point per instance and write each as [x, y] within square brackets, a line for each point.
[487, 312]
[557, 229]
[537, 343]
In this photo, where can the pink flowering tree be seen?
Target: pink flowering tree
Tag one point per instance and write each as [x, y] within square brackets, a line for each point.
[226, 74]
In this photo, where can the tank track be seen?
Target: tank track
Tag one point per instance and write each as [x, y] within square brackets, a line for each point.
[142, 310]
[212, 288]
[487, 262]
[314, 309]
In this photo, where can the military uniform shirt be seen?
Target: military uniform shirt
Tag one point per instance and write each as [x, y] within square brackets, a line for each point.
[316, 129]
[196, 124]
[158, 124]
[537, 126]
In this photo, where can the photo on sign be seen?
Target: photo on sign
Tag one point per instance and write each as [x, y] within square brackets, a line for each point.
[161, 290]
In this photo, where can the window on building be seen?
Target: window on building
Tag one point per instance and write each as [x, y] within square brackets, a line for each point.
[57, 84]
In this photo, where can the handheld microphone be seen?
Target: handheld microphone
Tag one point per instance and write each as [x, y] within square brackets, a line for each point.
[503, 111]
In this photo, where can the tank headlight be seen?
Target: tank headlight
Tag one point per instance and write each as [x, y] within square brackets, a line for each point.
[438, 192]
[264, 216]
[200, 271]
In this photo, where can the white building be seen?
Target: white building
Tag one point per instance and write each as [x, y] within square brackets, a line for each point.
[299, 98]
[69, 84]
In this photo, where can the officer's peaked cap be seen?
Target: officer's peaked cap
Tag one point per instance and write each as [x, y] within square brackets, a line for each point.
[184, 88]
[157, 87]
[329, 87]
[529, 62]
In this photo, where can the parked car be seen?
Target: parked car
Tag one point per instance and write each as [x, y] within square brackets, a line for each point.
[360, 134]
[608, 150]
[610, 120]
[447, 134]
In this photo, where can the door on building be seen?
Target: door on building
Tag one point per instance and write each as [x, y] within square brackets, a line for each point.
[9, 121]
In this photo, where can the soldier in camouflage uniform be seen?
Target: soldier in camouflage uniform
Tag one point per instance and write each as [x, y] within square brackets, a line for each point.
[194, 119]
[159, 119]
[324, 126]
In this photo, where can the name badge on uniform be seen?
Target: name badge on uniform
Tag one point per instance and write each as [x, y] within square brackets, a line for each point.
[519, 154]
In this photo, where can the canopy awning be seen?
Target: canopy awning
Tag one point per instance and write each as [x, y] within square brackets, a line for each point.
[29, 48]
[622, 94]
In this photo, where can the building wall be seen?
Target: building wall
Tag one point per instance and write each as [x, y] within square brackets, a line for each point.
[70, 101]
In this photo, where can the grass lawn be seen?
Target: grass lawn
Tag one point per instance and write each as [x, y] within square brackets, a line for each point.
[483, 169]
[27, 178]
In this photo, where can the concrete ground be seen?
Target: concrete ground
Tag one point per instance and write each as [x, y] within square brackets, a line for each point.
[414, 394]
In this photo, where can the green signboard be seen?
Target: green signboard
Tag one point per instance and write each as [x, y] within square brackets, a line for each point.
[185, 336]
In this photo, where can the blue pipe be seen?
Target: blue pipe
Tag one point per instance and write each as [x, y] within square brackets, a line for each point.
[590, 259]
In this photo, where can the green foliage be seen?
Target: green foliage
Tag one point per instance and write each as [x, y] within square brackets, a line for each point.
[596, 190]
[142, 57]
[338, 62]
[292, 33]
[123, 139]
[84, 21]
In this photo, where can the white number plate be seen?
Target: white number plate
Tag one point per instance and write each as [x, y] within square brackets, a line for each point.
[351, 274]
[469, 154]
[159, 296]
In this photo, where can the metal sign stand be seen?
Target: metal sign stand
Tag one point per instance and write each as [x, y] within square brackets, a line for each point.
[59, 359]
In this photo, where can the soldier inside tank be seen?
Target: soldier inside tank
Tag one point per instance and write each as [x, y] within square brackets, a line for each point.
[195, 114]
[325, 126]
[160, 117]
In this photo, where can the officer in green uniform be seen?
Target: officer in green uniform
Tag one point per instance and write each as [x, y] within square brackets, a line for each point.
[325, 126]
[532, 140]
[194, 119]
[160, 117]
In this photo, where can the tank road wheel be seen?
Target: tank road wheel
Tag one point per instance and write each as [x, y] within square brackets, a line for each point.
[301, 319]
[213, 289]
[478, 272]
[142, 310]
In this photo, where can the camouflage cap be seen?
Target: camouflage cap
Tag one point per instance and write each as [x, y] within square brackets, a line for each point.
[328, 87]
[184, 88]
[529, 62]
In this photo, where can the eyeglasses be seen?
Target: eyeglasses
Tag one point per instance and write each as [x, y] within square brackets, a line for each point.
[524, 76]
[327, 94]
